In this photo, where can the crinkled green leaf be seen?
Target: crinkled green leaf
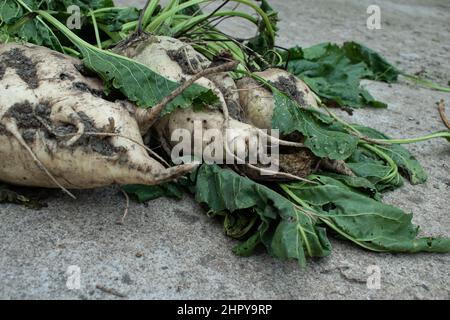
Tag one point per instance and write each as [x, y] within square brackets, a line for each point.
[114, 20]
[354, 183]
[364, 163]
[238, 224]
[4, 36]
[369, 223]
[18, 25]
[333, 76]
[35, 32]
[289, 117]
[10, 11]
[248, 247]
[299, 240]
[286, 232]
[381, 69]
[401, 156]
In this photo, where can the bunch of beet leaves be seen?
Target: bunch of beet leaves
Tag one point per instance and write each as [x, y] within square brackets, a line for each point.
[290, 219]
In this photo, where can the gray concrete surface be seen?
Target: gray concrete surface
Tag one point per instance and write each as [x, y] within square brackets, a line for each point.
[170, 249]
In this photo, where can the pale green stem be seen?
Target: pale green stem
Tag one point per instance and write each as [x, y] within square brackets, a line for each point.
[97, 34]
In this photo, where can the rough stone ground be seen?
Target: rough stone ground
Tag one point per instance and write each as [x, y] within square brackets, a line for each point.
[185, 254]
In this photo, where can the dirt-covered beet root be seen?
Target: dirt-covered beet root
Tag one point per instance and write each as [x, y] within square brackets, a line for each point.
[158, 53]
[228, 88]
[176, 60]
[167, 56]
[56, 129]
[206, 129]
[258, 104]
[257, 101]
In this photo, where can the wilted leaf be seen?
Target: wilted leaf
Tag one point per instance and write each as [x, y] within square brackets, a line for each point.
[381, 69]
[285, 231]
[401, 156]
[334, 76]
[364, 163]
[369, 223]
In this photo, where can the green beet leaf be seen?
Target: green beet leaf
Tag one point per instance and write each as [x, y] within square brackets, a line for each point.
[381, 69]
[331, 75]
[286, 231]
[366, 164]
[18, 23]
[369, 223]
[289, 117]
[400, 155]
[335, 73]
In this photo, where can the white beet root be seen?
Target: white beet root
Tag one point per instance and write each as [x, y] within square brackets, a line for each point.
[257, 101]
[247, 101]
[197, 124]
[178, 61]
[242, 139]
[56, 129]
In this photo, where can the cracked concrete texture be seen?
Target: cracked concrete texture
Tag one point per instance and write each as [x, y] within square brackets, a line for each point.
[171, 249]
